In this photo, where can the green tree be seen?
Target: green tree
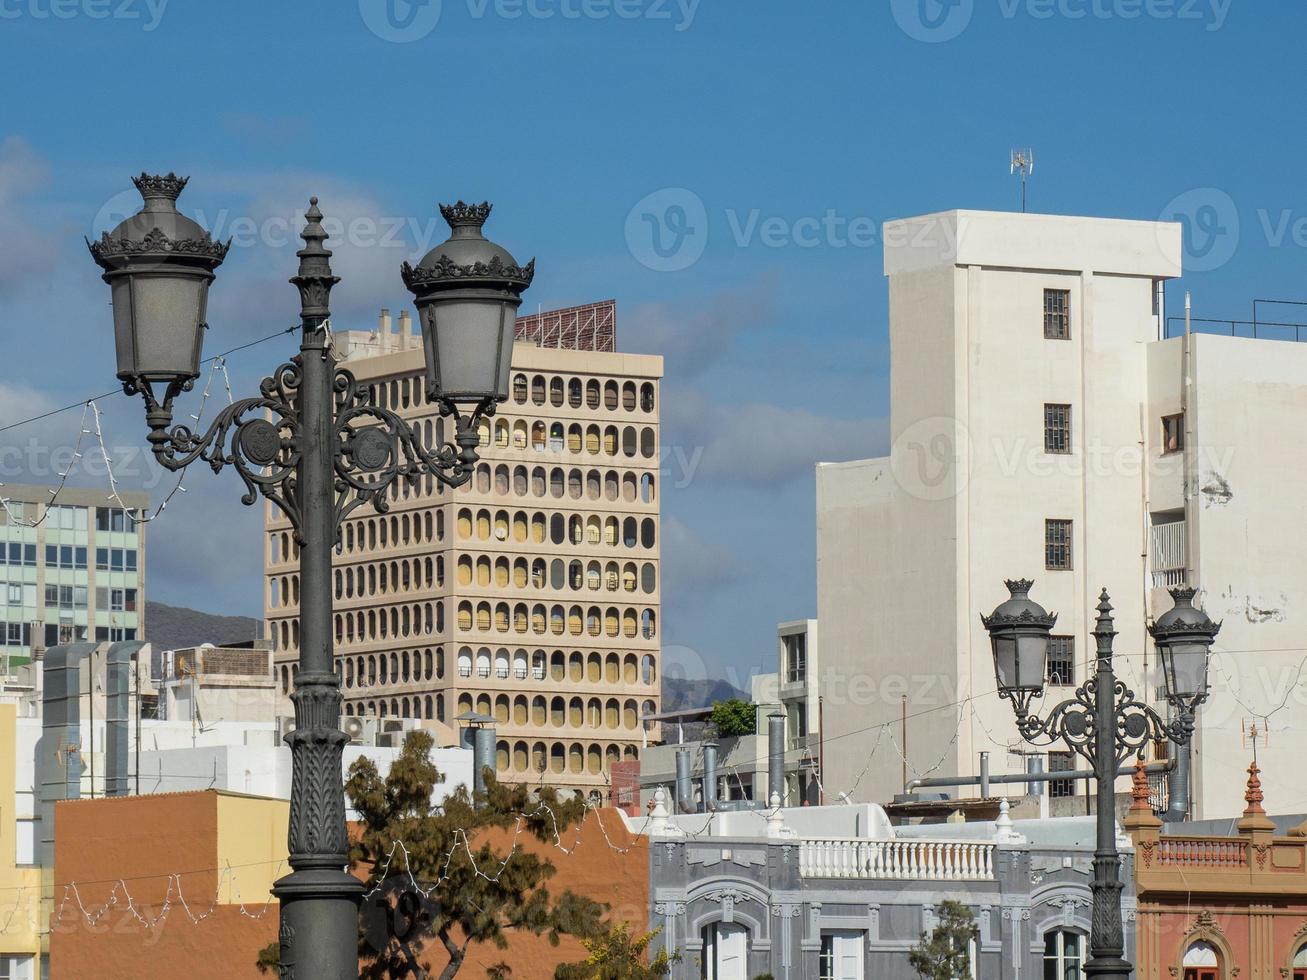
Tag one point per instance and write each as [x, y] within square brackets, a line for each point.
[945, 954]
[733, 717]
[475, 892]
[617, 955]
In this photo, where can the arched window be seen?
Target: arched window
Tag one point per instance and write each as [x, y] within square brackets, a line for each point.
[1202, 962]
[1064, 955]
[1300, 964]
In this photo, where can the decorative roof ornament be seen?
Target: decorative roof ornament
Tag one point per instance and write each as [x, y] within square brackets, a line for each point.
[1254, 815]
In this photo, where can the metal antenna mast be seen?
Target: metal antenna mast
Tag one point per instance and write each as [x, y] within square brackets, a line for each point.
[1023, 163]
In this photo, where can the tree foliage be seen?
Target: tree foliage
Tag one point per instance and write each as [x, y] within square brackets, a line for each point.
[617, 955]
[945, 954]
[477, 892]
[733, 717]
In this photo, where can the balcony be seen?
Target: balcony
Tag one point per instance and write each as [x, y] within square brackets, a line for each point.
[918, 860]
[1168, 554]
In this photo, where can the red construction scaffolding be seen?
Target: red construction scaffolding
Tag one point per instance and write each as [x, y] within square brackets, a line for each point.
[589, 327]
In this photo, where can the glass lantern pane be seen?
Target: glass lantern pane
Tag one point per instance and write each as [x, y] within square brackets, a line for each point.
[167, 312]
[1032, 663]
[470, 336]
[1005, 662]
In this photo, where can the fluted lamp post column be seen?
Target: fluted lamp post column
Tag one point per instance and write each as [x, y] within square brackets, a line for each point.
[315, 445]
[1104, 723]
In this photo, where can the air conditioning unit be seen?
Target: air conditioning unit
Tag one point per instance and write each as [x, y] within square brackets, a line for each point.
[356, 728]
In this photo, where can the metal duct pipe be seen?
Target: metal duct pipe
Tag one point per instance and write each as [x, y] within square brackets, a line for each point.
[684, 787]
[984, 775]
[483, 756]
[709, 777]
[775, 757]
[1035, 768]
[1030, 777]
[120, 662]
[1177, 786]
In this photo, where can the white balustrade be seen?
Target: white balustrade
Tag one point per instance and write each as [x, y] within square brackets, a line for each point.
[925, 860]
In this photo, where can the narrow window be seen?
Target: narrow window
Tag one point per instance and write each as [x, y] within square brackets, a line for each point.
[1062, 660]
[1057, 314]
[1172, 433]
[1057, 428]
[1061, 762]
[1057, 545]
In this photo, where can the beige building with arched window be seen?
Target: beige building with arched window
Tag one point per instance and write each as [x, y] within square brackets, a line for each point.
[532, 593]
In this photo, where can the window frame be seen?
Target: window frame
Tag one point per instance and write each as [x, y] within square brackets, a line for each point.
[1057, 428]
[1057, 322]
[1178, 420]
[1067, 679]
[1052, 561]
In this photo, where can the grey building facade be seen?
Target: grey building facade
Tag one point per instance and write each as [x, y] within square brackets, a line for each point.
[803, 908]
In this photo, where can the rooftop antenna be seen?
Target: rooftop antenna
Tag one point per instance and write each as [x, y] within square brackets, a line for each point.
[1251, 733]
[1023, 163]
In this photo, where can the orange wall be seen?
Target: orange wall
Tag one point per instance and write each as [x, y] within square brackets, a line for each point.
[145, 839]
[593, 869]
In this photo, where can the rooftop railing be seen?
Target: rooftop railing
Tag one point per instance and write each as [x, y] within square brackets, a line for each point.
[924, 860]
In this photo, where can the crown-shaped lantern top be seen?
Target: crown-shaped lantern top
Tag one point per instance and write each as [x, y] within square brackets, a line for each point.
[461, 215]
[1019, 609]
[160, 187]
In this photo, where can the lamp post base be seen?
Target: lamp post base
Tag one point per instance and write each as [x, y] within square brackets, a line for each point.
[319, 924]
[1109, 968]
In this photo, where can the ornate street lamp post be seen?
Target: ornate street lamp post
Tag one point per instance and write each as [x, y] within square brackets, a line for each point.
[1104, 723]
[315, 445]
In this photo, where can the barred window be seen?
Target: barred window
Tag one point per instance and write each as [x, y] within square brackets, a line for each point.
[1057, 545]
[1062, 660]
[1061, 762]
[1057, 314]
[1172, 433]
[1057, 428]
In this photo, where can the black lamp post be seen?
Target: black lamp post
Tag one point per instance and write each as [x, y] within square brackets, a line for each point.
[1104, 723]
[315, 445]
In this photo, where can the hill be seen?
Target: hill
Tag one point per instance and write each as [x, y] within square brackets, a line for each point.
[175, 627]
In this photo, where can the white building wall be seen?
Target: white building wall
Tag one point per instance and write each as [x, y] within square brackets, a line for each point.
[912, 549]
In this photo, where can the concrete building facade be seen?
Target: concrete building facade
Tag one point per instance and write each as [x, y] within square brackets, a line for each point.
[836, 893]
[72, 568]
[531, 594]
[1043, 426]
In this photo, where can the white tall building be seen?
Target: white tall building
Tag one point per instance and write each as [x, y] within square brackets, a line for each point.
[1043, 426]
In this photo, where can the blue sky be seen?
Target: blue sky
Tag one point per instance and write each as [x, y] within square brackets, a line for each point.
[764, 139]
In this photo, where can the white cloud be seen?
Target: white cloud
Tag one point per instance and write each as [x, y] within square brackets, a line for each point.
[27, 250]
[759, 444]
[693, 566]
[697, 338]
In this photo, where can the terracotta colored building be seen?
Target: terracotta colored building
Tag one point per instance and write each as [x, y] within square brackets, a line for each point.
[1214, 907]
[216, 849]
[212, 848]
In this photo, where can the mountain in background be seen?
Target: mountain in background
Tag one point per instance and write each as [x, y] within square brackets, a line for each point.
[174, 628]
[679, 693]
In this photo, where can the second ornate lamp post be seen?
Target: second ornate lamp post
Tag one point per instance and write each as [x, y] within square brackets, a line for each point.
[314, 444]
[1104, 723]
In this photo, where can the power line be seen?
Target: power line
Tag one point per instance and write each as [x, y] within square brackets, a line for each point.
[118, 391]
